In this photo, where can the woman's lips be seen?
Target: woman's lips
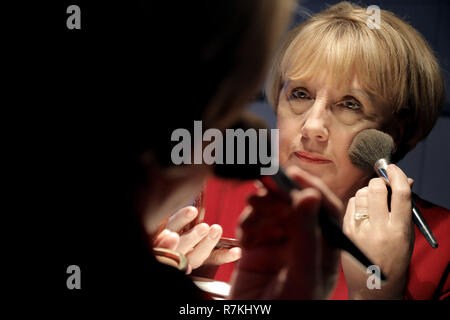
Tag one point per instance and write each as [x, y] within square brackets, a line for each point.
[311, 158]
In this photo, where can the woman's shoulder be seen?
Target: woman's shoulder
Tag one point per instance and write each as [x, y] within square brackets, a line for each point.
[428, 274]
[438, 219]
[435, 212]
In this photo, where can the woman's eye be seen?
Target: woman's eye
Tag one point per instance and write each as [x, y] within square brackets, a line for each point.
[352, 105]
[299, 94]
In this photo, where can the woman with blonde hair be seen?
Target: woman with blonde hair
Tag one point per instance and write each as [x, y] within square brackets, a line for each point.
[337, 75]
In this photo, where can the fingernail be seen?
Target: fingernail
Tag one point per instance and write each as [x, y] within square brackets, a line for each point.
[174, 234]
[202, 229]
[164, 233]
[189, 269]
[214, 232]
[236, 252]
[190, 213]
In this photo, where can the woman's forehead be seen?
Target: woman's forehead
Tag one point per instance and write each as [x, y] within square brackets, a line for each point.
[345, 62]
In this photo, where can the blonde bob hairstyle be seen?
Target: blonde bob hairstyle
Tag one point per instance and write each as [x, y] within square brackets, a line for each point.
[392, 62]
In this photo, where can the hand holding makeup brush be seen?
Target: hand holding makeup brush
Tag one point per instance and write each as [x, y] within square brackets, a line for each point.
[284, 255]
[386, 236]
[197, 244]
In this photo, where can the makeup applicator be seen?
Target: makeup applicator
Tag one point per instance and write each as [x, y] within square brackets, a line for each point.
[371, 150]
[281, 185]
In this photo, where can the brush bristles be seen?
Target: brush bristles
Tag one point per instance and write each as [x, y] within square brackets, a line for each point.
[368, 147]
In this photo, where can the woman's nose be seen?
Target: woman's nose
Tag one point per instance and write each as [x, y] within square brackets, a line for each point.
[315, 126]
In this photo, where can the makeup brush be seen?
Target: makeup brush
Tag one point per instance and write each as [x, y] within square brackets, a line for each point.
[371, 150]
[281, 185]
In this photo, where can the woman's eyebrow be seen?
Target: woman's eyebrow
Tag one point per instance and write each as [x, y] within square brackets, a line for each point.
[363, 93]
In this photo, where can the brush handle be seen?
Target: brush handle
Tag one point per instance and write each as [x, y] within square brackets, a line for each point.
[420, 222]
[417, 217]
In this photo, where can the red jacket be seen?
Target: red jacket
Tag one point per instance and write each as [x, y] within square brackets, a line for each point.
[429, 268]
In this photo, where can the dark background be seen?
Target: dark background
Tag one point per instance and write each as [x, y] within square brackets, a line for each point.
[50, 115]
[428, 164]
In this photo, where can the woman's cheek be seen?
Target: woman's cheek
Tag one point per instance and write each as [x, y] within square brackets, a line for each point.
[287, 134]
[284, 147]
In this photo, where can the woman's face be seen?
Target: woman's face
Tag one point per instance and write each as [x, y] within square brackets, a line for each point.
[317, 122]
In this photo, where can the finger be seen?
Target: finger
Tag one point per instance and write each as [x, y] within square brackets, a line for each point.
[330, 201]
[170, 241]
[401, 195]
[204, 248]
[246, 212]
[161, 227]
[164, 233]
[349, 217]
[377, 201]
[181, 218]
[221, 256]
[261, 191]
[362, 201]
[189, 269]
[190, 239]
[411, 182]
[363, 192]
[258, 184]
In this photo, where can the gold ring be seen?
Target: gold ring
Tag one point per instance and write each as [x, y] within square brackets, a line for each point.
[361, 216]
